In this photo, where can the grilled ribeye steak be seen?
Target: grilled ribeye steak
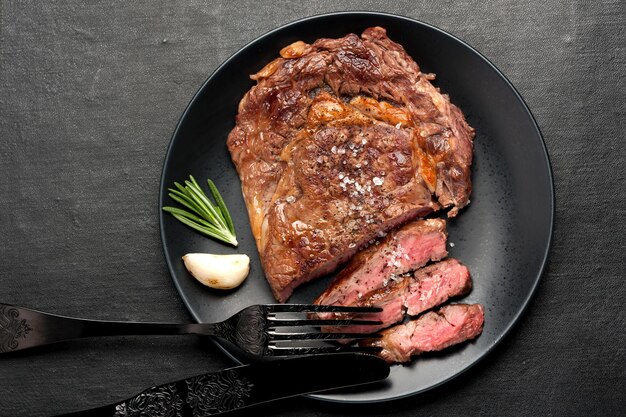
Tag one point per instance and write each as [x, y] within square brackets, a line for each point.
[435, 330]
[435, 284]
[401, 251]
[390, 298]
[338, 141]
[426, 288]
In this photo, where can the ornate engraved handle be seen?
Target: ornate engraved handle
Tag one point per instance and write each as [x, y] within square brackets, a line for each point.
[22, 328]
[13, 328]
[235, 388]
[202, 395]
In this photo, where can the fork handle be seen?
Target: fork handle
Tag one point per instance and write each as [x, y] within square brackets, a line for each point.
[22, 328]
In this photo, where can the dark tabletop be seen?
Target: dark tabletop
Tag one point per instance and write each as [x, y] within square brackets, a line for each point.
[89, 97]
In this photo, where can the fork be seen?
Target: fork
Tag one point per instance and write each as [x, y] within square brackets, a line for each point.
[254, 330]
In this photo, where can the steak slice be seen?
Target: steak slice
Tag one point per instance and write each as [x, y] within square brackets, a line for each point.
[404, 250]
[435, 330]
[338, 141]
[429, 287]
[389, 298]
[435, 284]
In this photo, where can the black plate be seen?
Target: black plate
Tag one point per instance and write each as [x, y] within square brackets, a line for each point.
[503, 236]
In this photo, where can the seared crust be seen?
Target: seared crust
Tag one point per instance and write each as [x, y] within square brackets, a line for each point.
[338, 141]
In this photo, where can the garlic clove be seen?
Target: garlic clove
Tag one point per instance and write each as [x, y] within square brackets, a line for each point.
[222, 272]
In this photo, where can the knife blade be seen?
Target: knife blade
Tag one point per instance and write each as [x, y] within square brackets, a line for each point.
[243, 386]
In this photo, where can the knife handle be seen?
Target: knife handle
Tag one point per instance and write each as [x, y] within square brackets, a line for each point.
[204, 395]
[243, 386]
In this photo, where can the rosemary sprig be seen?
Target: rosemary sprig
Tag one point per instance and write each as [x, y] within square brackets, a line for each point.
[212, 219]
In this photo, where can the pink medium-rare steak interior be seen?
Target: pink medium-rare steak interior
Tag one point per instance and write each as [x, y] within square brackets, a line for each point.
[433, 331]
[426, 288]
[339, 141]
[390, 298]
[402, 251]
[435, 284]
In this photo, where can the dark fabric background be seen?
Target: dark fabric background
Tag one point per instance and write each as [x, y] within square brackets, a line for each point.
[90, 93]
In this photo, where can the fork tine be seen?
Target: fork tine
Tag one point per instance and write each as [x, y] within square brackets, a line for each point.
[313, 308]
[320, 322]
[284, 351]
[323, 336]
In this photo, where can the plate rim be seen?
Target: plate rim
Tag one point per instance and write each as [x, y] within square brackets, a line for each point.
[515, 319]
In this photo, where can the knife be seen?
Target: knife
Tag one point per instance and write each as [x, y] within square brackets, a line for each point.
[243, 386]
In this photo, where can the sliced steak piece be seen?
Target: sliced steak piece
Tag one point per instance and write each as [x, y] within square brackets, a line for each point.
[433, 285]
[390, 298]
[435, 330]
[338, 141]
[429, 287]
[404, 250]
